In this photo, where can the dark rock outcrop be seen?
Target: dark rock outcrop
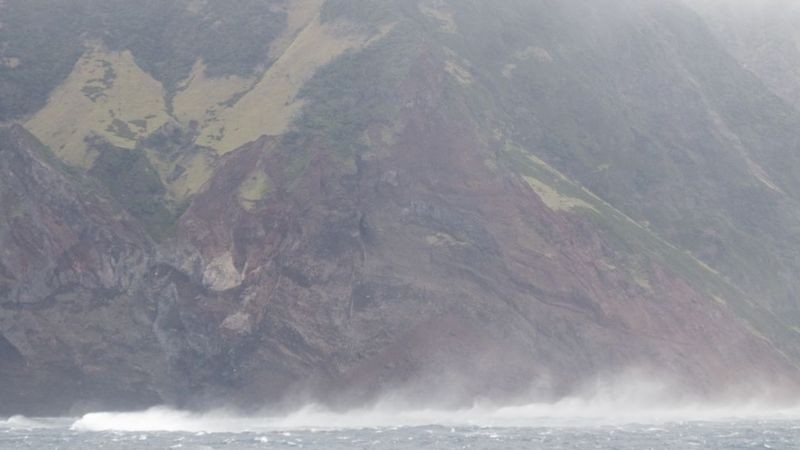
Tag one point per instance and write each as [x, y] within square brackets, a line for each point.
[74, 331]
[470, 206]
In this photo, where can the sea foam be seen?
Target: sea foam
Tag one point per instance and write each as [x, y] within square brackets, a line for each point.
[641, 403]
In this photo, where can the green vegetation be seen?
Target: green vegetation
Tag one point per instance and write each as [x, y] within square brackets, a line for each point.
[45, 37]
[354, 91]
[165, 37]
[121, 129]
[135, 184]
[95, 88]
[43, 153]
[658, 121]
[630, 235]
[636, 239]
[368, 13]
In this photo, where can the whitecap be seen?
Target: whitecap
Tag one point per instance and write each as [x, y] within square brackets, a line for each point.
[24, 423]
[609, 405]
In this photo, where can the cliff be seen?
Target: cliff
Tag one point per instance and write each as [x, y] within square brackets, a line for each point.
[443, 200]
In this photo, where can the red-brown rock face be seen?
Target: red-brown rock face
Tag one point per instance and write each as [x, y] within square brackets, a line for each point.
[429, 270]
[469, 202]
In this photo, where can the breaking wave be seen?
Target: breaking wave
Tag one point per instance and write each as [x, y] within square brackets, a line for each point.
[24, 423]
[640, 404]
[314, 417]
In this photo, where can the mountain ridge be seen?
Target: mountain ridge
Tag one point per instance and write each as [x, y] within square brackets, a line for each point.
[461, 201]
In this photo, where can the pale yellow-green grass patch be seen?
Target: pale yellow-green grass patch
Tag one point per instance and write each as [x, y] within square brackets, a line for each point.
[299, 14]
[200, 98]
[106, 95]
[255, 188]
[554, 199]
[458, 72]
[268, 108]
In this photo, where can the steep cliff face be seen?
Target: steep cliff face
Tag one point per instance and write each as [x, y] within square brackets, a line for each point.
[72, 327]
[410, 274]
[443, 199]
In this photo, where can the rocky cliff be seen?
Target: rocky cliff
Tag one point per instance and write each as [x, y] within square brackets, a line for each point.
[247, 202]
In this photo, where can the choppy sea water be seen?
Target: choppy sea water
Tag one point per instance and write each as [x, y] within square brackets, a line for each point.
[731, 435]
[59, 434]
[529, 427]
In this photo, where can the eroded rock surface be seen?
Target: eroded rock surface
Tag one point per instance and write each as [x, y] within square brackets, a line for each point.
[440, 201]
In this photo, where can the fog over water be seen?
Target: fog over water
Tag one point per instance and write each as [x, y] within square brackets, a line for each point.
[567, 413]
[629, 414]
[627, 399]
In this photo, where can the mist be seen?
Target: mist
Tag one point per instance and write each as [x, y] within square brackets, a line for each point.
[268, 215]
[618, 401]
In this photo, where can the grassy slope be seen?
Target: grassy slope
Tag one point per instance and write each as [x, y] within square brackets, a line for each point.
[651, 134]
[657, 120]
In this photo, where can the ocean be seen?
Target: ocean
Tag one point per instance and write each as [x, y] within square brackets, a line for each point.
[560, 426]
